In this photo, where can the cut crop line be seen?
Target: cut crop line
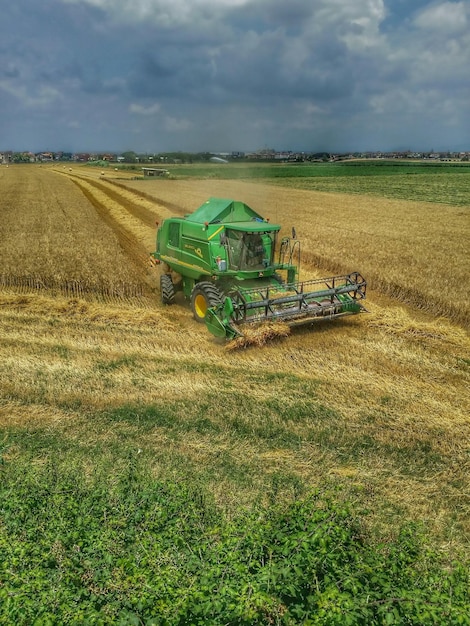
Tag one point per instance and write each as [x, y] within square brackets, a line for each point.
[133, 201]
[131, 245]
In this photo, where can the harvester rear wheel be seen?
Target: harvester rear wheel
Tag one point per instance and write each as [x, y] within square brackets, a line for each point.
[203, 296]
[167, 289]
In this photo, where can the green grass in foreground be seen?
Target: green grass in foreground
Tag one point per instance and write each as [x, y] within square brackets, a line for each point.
[95, 529]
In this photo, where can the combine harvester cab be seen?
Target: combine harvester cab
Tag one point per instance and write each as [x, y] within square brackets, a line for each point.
[223, 258]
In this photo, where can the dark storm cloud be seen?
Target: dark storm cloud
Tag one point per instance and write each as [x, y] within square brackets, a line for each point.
[234, 74]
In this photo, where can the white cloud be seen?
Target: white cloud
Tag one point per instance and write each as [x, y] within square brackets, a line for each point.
[355, 22]
[140, 109]
[42, 96]
[170, 124]
[174, 124]
[117, 83]
[165, 12]
[310, 108]
[436, 52]
[445, 17]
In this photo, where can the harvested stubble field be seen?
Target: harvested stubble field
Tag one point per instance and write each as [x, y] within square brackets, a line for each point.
[100, 378]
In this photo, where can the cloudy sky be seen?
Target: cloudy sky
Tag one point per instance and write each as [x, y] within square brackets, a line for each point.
[223, 75]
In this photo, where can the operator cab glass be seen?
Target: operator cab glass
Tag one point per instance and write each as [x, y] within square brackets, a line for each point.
[249, 251]
[174, 234]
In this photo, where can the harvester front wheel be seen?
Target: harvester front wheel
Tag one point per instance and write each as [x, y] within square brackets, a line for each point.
[203, 296]
[167, 289]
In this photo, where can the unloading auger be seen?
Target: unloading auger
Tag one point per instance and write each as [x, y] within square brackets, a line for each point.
[223, 258]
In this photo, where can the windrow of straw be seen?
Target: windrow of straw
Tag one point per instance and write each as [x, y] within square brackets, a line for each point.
[72, 288]
[258, 335]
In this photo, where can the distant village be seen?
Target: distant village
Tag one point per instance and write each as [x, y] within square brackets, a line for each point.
[266, 154]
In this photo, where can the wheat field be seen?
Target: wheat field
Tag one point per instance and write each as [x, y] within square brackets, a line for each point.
[416, 252]
[378, 403]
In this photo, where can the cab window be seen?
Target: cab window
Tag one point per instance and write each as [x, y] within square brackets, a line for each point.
[248, 251]
[174, 234]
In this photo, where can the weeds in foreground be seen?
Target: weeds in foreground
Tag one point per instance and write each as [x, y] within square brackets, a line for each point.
[115, 546]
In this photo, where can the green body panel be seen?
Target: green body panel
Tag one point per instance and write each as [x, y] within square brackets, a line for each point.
[227, 243]
[197, 246]
[221, 210]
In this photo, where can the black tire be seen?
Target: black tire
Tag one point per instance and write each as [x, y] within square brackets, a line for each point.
[167, 289]
[203, 296]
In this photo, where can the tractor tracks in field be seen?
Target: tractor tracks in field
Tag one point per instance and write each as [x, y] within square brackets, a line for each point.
[169, 207]
[123, 198]
[133, 224]
[133, 201]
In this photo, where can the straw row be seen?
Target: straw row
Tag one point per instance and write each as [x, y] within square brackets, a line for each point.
[72, 288]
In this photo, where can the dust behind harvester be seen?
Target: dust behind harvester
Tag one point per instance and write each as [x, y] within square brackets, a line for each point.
[238, 274]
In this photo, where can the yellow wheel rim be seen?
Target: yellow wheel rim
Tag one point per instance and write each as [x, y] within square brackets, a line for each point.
[200, 306]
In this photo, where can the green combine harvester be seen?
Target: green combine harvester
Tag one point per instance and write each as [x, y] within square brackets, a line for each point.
[228, 262]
